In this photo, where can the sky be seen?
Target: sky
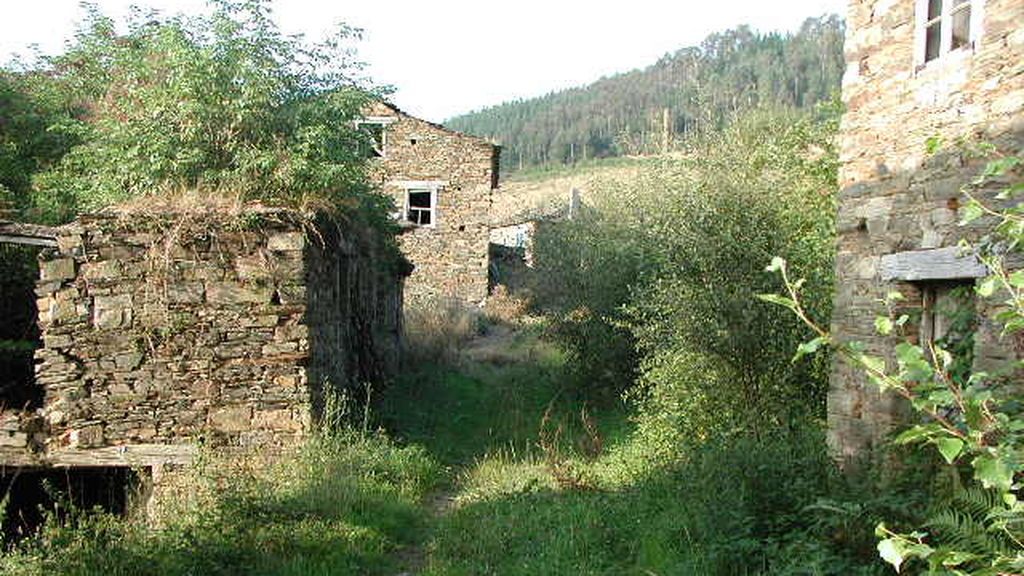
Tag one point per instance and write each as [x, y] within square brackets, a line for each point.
[447, 57]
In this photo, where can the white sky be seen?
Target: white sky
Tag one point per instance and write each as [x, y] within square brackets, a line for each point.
[447, 57]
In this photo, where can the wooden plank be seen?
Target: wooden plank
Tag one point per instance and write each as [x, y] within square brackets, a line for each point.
[29, 234]
[128, 455]
[937, 264]
[28, 240]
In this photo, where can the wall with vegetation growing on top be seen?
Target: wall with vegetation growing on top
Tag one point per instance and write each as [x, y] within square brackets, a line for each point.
[162, 329]
[899, 205]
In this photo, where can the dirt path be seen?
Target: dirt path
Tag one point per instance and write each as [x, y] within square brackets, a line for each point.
[413, 559]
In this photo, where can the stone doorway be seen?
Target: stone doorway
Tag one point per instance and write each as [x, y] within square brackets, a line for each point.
[19, 329]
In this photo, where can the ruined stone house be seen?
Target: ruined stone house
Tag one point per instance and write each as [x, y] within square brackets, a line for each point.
[161, 331]
[916, 69]
[442, 182]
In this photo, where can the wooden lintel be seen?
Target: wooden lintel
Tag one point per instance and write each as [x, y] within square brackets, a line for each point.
[132, 456]
[28, 240]
[931, 265]
[28, 234]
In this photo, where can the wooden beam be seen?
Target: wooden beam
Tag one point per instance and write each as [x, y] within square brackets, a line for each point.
[127, 455]
[937, 264]
[27, 234]
[28, 241]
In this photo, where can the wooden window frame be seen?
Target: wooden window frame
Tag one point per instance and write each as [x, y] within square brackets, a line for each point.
[432, 210]
[945, 23]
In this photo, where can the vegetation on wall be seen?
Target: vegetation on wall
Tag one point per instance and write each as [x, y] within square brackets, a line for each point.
[224, 102]
[701, 87]
[973, 420]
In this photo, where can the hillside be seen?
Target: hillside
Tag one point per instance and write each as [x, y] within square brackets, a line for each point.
[699, 86]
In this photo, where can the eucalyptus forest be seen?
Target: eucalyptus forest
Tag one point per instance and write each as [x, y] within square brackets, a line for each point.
[652, 400]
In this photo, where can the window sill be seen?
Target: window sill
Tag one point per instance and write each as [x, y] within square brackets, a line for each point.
[952, 59]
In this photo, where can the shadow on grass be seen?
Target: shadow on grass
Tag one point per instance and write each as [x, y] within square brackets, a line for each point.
[746, 507]
[343, 505]
[463, 414]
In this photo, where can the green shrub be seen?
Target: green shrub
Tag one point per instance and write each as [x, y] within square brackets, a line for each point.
[224, 102]
[660, 271]
[344, 504]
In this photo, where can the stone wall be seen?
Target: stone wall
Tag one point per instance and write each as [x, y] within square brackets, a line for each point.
[895, 197]
[450, 256]
[160, 331]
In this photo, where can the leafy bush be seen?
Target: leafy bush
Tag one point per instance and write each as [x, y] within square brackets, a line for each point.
[224, 102]
[658, 275]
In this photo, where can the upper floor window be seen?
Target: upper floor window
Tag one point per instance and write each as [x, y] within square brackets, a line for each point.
[421, 206]
[946, 25]
[375, 128]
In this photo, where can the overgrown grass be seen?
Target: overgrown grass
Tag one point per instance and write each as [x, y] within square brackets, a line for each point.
[527, 501]
[344, 504]
[745, 507]
[474, 409]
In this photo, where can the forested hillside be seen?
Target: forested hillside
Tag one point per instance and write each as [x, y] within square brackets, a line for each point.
[699, 86]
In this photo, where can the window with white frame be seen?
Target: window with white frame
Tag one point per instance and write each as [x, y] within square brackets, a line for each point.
[421, 206]
[375, 128]
[945, 26]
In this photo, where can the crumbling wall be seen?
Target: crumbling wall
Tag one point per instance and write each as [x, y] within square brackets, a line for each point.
[895, 197]
[161, 330]
[354, 312]
[450, 257]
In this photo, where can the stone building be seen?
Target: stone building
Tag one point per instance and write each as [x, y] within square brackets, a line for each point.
[442, 182]
[159, 331]
[915, 69]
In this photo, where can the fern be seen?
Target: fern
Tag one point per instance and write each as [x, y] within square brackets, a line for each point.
[969, 522]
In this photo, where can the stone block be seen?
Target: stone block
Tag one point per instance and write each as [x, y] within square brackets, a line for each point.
[103, 270]
[291, 332]
[279, 348]
[110, 312]
[286, 241]
[234, 294]
[231, 418]
[13, 439]
[58, 269]
[185, 292]
[280, 420]
[128, 361]
[89, 436]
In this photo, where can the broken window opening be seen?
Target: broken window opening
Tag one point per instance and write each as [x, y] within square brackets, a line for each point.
[948, 322]
[421, 205]
[35, 492]
[375, 130]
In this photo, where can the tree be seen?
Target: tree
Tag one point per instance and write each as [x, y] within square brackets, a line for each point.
[225, 103]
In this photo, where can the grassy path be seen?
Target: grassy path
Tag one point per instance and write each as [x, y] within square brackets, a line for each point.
[482, 419]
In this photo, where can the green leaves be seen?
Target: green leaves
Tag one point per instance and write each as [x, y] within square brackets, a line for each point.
[950, 448]
[223, 102]
[778, 300]
[777, 264]
[810, 347]
[883, 325]
[892, 551]
[993, 472]
[896, 549]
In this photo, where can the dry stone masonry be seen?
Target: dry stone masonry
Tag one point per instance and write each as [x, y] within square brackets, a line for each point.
[442, 182]
[160, 331]
[911, 76]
